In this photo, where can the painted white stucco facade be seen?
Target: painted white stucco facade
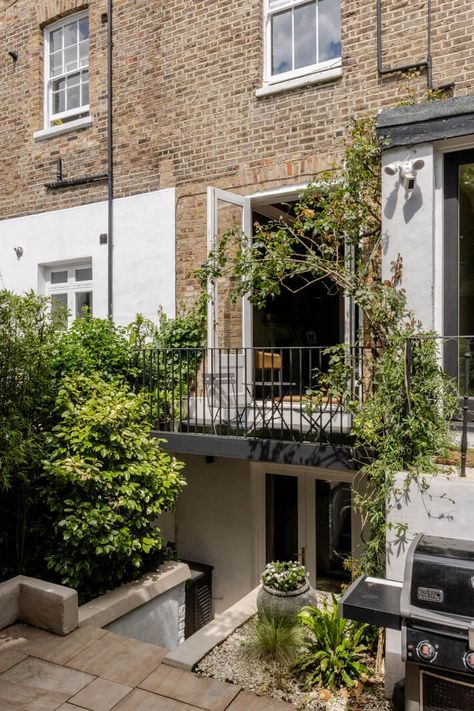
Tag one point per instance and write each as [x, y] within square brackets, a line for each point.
[144, 252]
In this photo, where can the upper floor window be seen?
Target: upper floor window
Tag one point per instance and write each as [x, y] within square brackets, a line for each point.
[301, 37]
[66, 69]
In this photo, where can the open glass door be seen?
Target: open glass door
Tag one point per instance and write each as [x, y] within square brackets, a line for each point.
[229, 324]
[459, 263]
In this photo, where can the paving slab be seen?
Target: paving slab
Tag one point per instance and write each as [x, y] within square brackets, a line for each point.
[47, 646]
[208, 694]
[38, 674]
[247, 701]
[120, 659]
[140, 700]
[10, 657]
[16, 697]
[100, 695]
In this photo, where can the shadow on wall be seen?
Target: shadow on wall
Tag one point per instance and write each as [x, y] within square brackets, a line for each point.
[412, 205]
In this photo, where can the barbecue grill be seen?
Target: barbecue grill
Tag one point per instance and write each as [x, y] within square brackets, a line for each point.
[434, 609]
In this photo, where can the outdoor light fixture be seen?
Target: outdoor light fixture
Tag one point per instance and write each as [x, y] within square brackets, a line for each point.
[18, 251]
[407, 171]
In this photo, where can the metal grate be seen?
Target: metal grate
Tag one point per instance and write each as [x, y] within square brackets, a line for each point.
[441, 693]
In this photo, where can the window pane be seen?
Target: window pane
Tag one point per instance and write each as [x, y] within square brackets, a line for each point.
[56, 40]
[70, 34]
[59, 277]
[83, 29]
[56, 64]
[73, 97]
[305, 35]
[59, 102]
[59, 304]
[70, 59]
[84, 274]
[85, 94]
[83, 303]
[84, 53]
[329, 29]
[281, 43]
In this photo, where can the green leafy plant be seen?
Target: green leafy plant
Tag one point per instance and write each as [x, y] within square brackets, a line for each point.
[28, 333]
[93, 345]
[334, 649]
[284, 576]
[275, 639]
[105, 482]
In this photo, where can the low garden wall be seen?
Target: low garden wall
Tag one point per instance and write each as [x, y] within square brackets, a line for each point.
[151, 609]
[444, 509]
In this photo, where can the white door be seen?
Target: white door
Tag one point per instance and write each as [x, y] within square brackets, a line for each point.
[227, 211]
[304, 515]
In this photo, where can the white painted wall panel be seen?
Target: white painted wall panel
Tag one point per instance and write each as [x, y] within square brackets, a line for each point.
[144, 252]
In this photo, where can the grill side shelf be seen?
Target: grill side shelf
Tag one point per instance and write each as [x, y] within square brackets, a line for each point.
[373, 600]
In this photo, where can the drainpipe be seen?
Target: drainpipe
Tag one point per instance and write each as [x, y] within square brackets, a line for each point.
[110, 161]
[424, 64]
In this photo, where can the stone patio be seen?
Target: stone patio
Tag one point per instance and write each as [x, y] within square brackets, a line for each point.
[92, 669]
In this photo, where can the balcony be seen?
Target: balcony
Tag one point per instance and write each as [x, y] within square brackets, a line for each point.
[249, 402]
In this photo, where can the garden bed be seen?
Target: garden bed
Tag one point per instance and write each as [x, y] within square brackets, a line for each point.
[230, 662]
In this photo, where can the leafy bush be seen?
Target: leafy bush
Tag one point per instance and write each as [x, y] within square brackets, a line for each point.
[28, 333]
[284, 576]
[275, 639]
[334, 649]
[105, 483]
[93, 345]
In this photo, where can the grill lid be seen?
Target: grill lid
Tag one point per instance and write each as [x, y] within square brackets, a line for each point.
[439, 581]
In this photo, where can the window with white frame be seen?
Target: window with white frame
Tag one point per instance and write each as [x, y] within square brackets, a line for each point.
[301, 37]
[66, 53]
[70, 287]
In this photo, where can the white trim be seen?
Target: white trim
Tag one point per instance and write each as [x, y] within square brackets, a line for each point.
[48, 114]
[318, 77]
[319, 71]
[71, 287]
[52, 131]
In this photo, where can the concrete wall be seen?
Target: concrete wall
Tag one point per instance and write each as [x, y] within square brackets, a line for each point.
[214, 525]
[144, 252]
[160, 621]
[445, 509]
[408, 230]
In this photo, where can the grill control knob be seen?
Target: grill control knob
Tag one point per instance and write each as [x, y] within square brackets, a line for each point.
[469, 660]
[427, 652]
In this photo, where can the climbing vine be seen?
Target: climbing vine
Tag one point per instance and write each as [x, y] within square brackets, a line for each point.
[334, 237]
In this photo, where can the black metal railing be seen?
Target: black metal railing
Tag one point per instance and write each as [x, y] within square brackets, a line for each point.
[455, 357]
[274, 393]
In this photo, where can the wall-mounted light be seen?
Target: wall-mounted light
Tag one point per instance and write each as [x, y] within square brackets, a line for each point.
[18, 251]
[407, 171]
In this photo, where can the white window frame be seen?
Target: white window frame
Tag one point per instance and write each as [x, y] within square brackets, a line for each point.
[317, 68]
[49, 116]
[71, 287]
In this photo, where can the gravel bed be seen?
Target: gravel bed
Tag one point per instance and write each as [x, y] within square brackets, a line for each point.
[229, 662]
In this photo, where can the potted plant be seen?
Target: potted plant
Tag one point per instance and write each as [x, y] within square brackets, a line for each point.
[285, 589]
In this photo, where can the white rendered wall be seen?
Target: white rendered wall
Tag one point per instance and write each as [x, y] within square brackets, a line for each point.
[445, 509]
[144, 252]
[408, 229]
[214, 525]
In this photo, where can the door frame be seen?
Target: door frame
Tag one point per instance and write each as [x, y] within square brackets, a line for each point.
[306, 509]
[248, 202]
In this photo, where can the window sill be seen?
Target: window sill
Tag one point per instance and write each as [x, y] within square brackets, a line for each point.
[306, 80]
[62, 128]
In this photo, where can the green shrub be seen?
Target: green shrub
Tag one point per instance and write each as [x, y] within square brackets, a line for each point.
[28, 333]
[105, 482]
[334, 649]
[275, 639]
[93, 345]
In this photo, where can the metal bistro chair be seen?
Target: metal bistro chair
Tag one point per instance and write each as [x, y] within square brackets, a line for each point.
[226, 397]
